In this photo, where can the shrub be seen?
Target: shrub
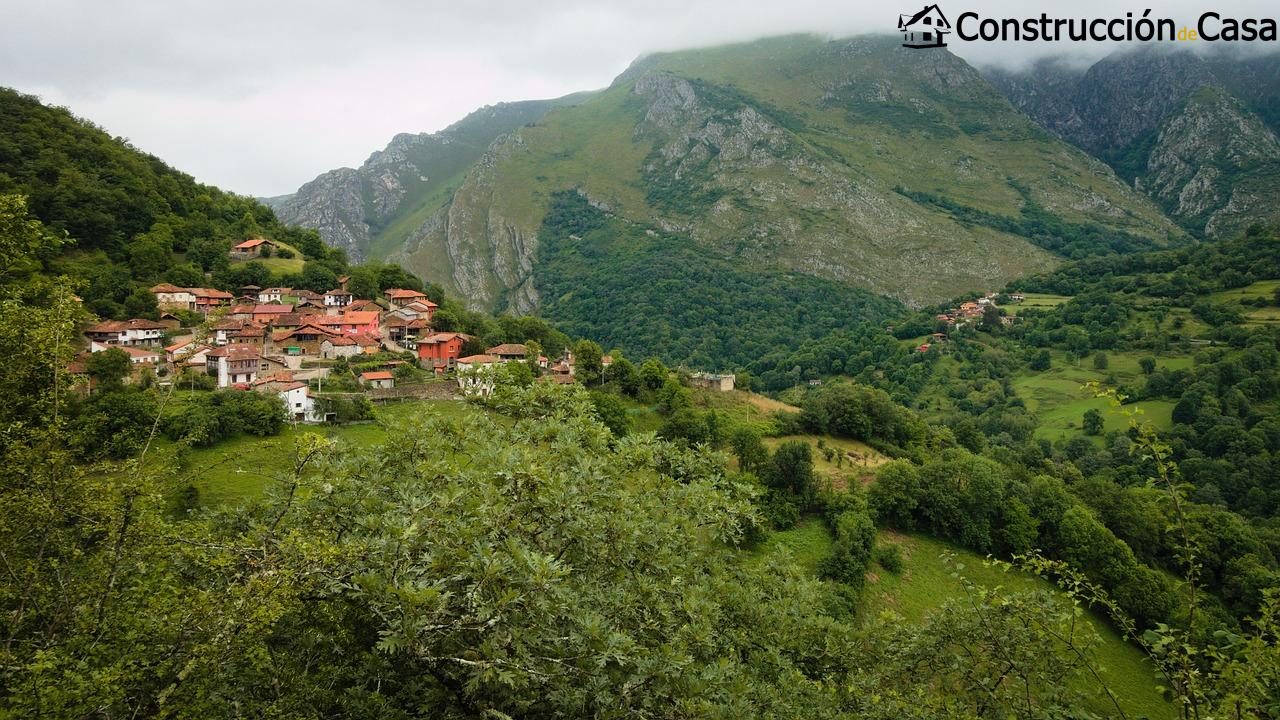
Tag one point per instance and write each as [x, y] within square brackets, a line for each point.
[889, 557]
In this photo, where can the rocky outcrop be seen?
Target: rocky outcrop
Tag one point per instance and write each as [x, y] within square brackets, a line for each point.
[360, 210]
[1172, 123]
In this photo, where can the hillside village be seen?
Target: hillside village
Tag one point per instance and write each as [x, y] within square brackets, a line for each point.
[289, 341]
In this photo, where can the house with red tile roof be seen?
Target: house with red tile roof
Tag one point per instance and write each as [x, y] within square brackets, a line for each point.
[507, 352]
[126, 332]
[274, 294]
[337, 346]
[264, 313]
[250, 248]
[209, 299]
[174, 297]
[378, 379]
[399, 297]
[352, 323]
[337, 298]
[441, 348]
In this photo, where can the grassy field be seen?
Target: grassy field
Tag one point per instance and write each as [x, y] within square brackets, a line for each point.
[1036, 301]
[860, 459]
[233, 471]
[1256, 315]
[926, 583]
[1059, 400]
[277, 264]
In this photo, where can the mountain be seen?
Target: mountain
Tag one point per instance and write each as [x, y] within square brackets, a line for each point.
[369, 210]
[855, 161]
[1196, 133]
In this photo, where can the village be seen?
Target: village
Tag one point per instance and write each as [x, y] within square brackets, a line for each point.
[290, 341]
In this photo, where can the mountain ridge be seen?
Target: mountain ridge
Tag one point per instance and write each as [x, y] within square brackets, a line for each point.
[787, 152]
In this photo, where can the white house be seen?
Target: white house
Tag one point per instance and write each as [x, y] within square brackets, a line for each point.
[337, 298]
[126, 332]
[273, 295]
[172, 296]
[299, 403]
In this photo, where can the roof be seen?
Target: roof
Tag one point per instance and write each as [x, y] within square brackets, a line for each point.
[250, 287]
[236, 352]
[179, 345]
[478, 360]
[309, 328]
[905, 23]
[338, 292]
[444, 337]
[211, 293]
[286, 376]
[250, 244]
[421, 304]
[278, 290]
[359, 317]
[366, 340]
[167, 288]
[140, 352]
[120, 325]
[244, 309]
[507, 349]
[341, 340]
[403, 294]
[276, 309]
[377, 375]
[291, 386]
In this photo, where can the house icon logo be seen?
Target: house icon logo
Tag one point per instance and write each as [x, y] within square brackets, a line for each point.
[926, 29]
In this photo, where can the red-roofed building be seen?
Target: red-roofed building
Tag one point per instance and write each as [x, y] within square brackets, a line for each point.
[208, 299]
[265, 313]
[352, 323]
[126, 332]
[173, 297]
[507, 352]
[378, 379]
[441, 348]
[250, 248]
[399, 297]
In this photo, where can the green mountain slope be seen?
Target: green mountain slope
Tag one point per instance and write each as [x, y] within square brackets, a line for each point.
[370, 210]
[789, 152]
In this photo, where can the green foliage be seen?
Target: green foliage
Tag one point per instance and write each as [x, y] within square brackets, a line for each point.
[889, 557]
[659, 294]
[1072, 240]
[208, 418]
[1092, 423]
[109, 367]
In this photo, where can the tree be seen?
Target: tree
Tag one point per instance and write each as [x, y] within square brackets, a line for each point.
[1100, 361]
[610, 411]
[751, 453]
[1092, 422]
[791, 470]
[185, 275]
[141, 303]
[623, 374]
[588, 366]
[990, 318]
[151, 253]
[1040, 360]
[653, 373]
[1148, 365]
[109, 368]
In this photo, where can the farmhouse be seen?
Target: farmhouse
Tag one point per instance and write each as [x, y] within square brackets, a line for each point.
[251, 248]
[274, 294]
[174, 297]
[126, 332]
[507, 352]
[712, 381]
[336, 346]
[380, 379]
[352, 322]
[439, 349]
[399, 297]
[337, 298]
[208, 299]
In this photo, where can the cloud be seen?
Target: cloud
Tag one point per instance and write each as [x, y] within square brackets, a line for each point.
[261, 97]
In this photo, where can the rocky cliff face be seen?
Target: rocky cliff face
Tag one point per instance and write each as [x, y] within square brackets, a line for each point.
[1169, 122]
[361, 210]
[790, 153]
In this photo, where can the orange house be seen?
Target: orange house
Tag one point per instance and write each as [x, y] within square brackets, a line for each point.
[441, 348]
[352, 323]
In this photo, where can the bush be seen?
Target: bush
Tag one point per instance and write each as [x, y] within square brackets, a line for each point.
[284, 253]
[889, 557]
[851, 552]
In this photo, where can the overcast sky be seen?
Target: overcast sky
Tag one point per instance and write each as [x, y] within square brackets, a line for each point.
[260, 97]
